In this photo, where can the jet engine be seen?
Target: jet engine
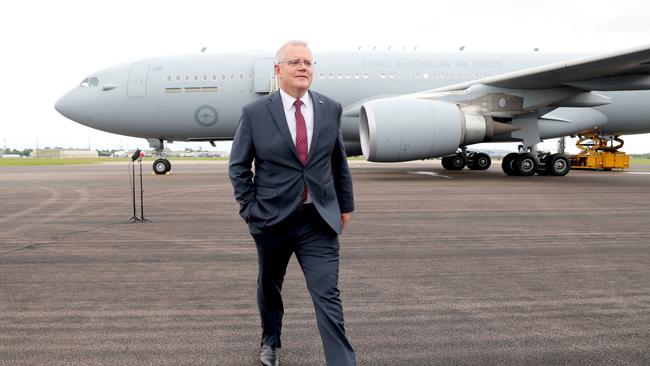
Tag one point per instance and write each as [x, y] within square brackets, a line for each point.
[396, 129]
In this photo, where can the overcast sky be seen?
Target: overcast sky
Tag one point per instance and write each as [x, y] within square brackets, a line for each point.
[48, 47]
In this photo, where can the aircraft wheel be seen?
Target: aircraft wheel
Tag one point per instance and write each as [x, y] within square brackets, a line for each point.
[453, 162]
[445, 162]
[480, 161]
[160, 166]
[558, 165]
[169, 165]
[507, 164]
[525, 165]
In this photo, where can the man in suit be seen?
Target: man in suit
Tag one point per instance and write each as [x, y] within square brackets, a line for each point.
[297, 201]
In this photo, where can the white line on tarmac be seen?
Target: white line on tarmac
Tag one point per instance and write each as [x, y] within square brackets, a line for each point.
[433, 174]
[638, 173]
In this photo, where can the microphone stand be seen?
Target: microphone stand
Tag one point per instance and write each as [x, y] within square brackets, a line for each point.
[135, 217]
[142, 219]
[137, 155]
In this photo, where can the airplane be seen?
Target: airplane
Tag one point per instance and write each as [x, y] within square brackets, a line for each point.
[397, 106]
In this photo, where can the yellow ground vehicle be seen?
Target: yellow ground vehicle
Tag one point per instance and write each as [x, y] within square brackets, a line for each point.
[600, 153]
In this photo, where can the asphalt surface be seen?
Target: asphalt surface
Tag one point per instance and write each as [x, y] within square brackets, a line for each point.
[437, 268]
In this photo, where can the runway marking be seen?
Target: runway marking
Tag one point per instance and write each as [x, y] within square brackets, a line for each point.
[82, 198]
[54, 197]
[433, 174]
[638, 173]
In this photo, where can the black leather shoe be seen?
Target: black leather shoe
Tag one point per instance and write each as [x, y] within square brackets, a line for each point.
[269, 356]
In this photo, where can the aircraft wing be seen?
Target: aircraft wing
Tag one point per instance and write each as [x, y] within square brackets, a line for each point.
[621, 70]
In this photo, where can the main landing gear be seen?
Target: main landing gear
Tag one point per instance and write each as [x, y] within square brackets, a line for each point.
[527, 162]
[473, 160]
[161, 165]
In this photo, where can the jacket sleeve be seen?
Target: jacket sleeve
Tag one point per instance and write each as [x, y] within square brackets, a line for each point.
[239, 166]
[341, 172]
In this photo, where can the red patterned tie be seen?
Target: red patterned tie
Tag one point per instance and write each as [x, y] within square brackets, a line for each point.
[301, 139]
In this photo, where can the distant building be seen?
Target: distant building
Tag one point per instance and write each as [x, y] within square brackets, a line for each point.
[58, 153]
[4, 156]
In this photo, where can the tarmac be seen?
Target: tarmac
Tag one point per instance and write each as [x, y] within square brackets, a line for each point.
[437, 268]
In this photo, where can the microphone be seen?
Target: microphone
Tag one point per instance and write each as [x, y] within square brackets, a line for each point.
[141, 155]
[135, 155]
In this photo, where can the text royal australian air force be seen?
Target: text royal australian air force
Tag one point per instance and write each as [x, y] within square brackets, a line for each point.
[432, 64]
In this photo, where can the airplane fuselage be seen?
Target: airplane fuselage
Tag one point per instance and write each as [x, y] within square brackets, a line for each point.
[199, 97]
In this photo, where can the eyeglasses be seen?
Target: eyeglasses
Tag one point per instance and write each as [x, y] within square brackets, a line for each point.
[294, 63]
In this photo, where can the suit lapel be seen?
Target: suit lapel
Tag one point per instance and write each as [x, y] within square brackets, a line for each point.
[319, 110]
[277, 112]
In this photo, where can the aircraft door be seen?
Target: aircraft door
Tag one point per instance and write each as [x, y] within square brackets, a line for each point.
[137, 86]
[264, 75]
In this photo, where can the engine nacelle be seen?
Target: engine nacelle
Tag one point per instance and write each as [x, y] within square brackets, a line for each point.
[396, 129]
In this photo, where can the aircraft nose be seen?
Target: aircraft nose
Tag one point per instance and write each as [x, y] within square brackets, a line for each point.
[62, 106]
[71, 107]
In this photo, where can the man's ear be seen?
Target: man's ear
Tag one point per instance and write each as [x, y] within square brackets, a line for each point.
[277, 71]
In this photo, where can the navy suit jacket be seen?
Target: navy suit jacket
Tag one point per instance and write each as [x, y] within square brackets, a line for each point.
[273, 192]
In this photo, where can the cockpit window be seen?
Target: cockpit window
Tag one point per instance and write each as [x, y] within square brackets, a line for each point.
[89, 82]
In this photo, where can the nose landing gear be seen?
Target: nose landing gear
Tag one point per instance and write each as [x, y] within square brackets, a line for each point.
[161, 165]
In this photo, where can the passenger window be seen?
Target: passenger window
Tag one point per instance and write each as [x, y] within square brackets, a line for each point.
[94, 82]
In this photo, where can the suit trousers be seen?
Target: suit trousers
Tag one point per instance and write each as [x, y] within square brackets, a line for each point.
[316, 247]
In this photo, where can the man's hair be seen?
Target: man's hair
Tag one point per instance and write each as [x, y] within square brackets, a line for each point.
[294, 42]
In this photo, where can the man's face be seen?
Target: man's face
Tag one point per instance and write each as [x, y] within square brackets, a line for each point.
[295, 79]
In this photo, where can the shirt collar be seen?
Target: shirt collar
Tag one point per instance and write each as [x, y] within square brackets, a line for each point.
[288, 100]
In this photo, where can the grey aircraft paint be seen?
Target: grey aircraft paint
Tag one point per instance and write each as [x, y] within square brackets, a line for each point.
[199, 97]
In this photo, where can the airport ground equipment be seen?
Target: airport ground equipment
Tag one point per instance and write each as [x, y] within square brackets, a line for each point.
[600, 153]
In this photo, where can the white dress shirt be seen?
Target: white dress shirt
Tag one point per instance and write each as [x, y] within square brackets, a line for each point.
[307, 110]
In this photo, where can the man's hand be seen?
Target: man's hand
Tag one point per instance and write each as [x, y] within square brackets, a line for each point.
[345, 218]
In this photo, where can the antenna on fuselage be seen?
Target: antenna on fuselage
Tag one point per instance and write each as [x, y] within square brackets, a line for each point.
[203, 49]
[536, 49]
[462, 48]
